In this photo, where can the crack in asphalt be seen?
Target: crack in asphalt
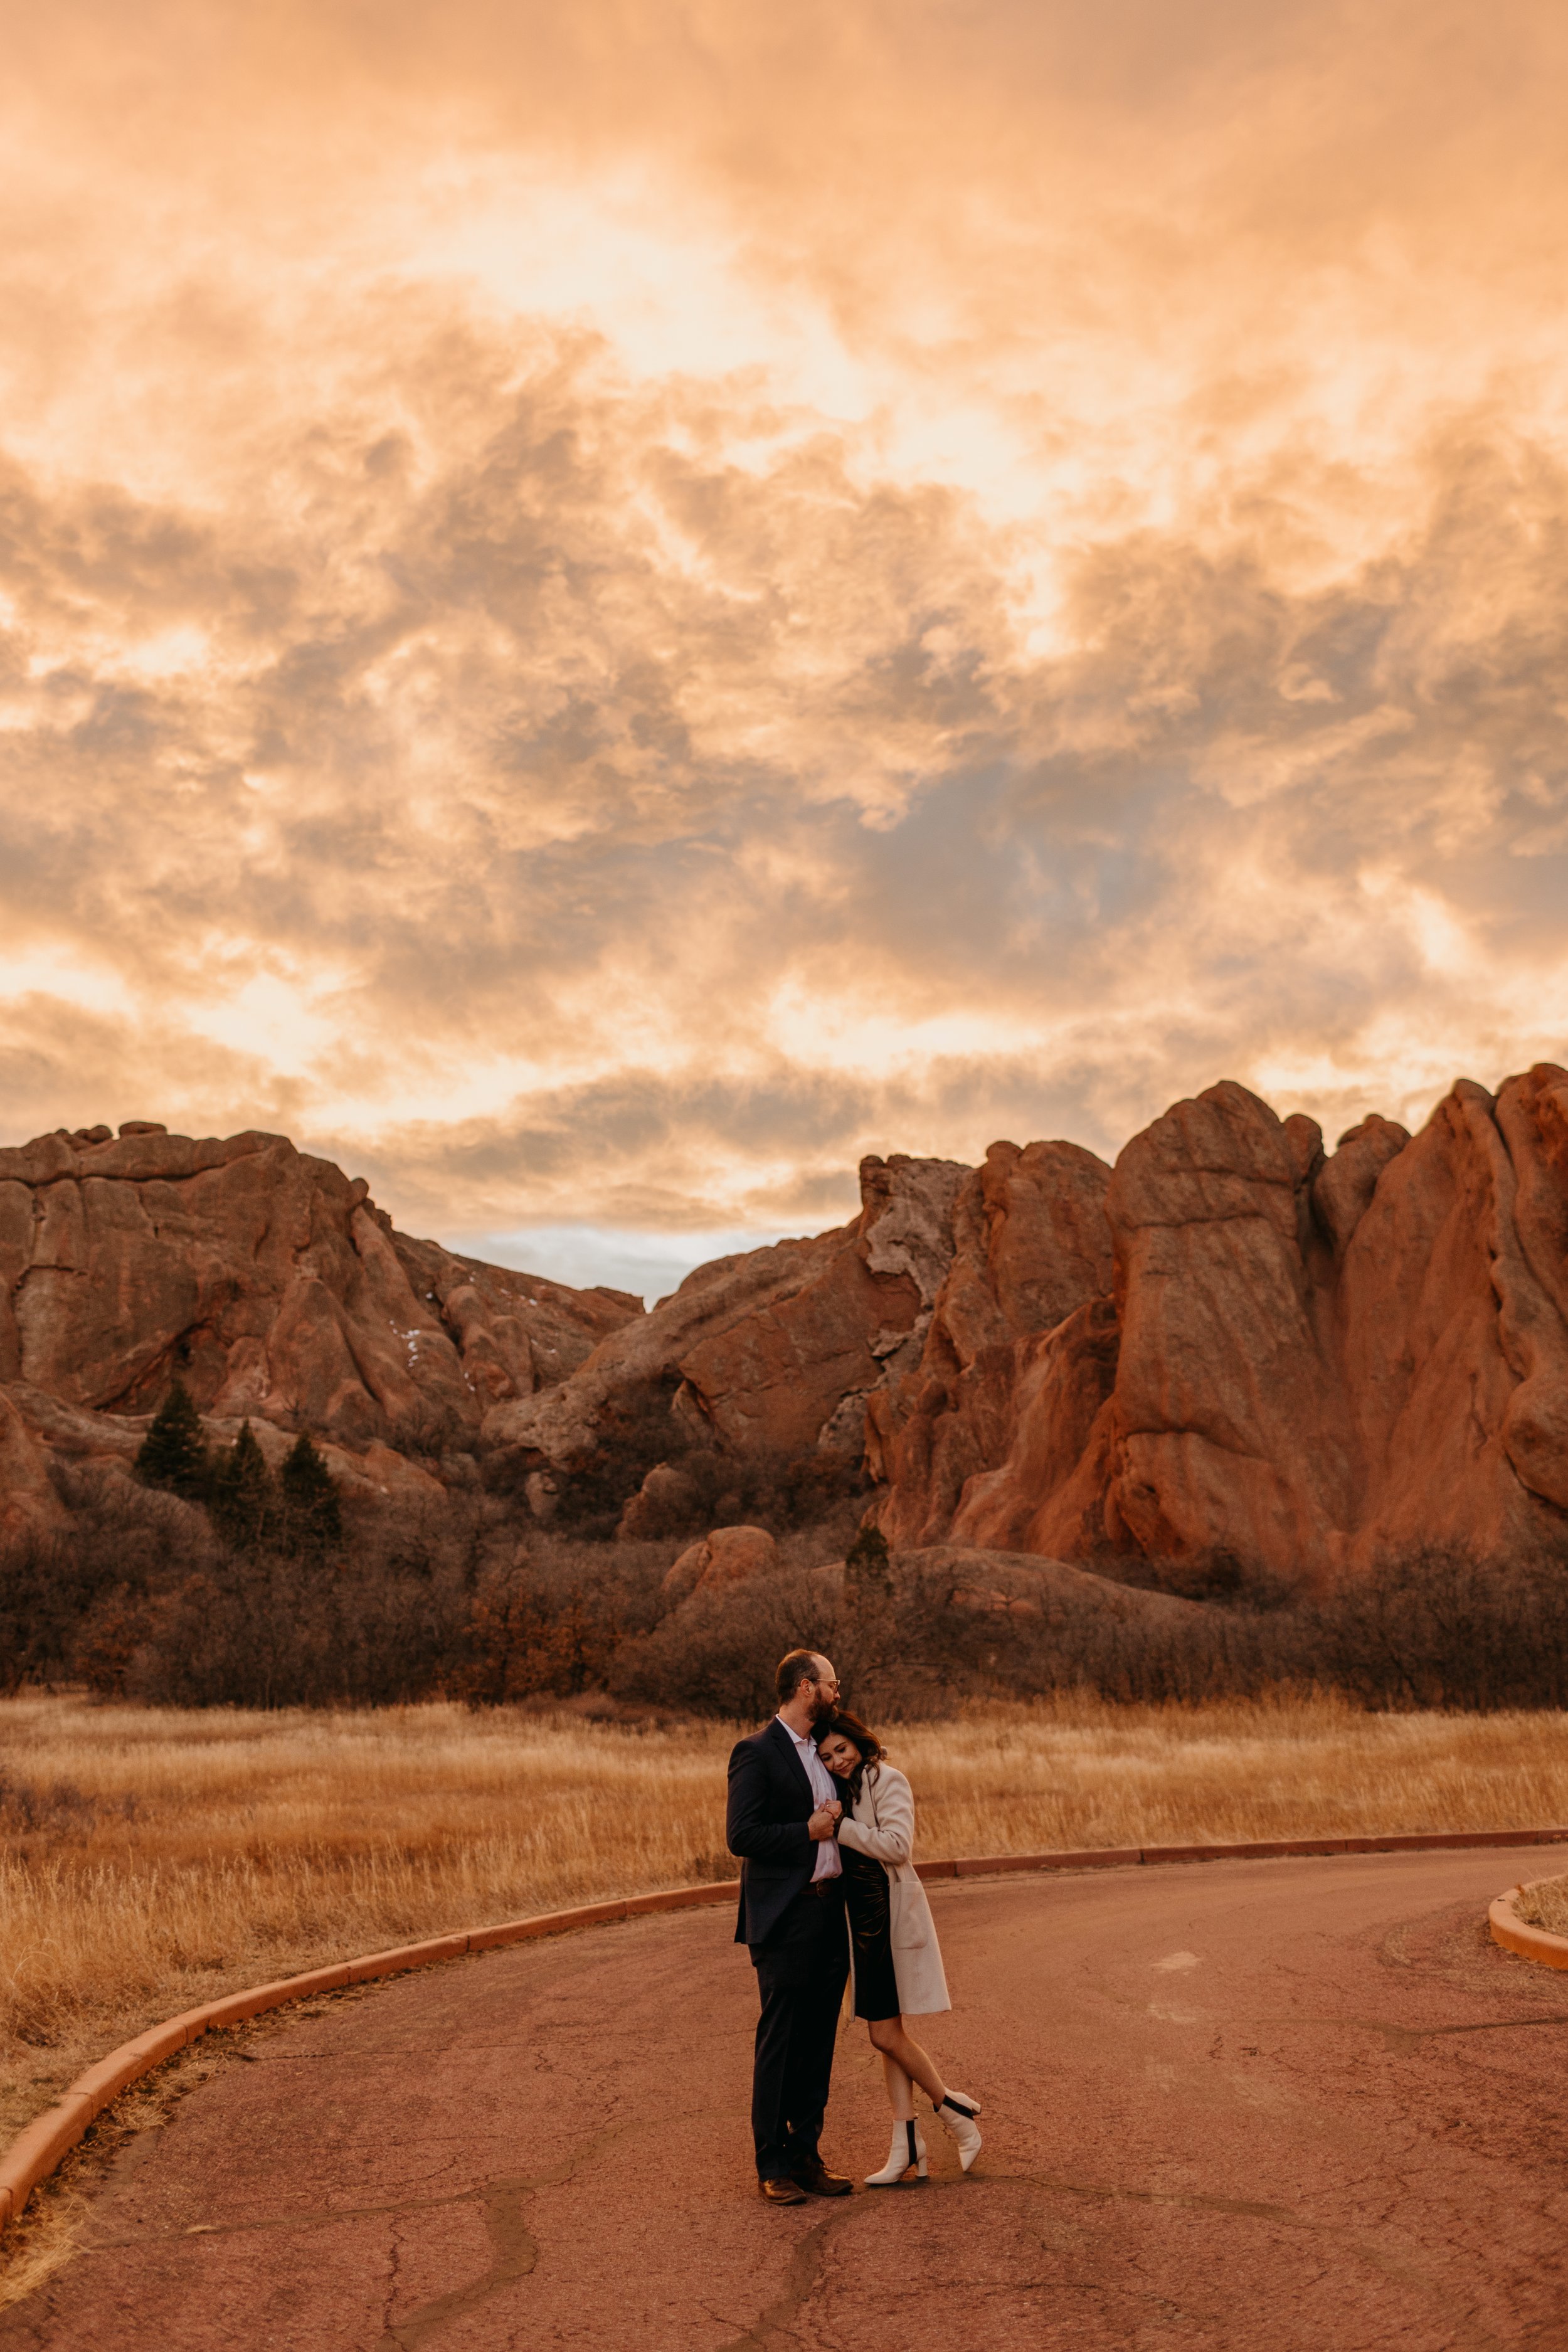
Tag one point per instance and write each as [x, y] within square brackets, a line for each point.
[323, 2220]
[776, 2319]
[1398, 2034]
[1401, 2037]
[515, 2252]
[396, 2247]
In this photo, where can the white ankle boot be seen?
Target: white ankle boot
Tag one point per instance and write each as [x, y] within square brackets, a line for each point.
[908, 2148]
[956, 2115]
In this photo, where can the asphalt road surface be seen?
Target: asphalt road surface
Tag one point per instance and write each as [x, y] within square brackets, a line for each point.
[1304, 2106]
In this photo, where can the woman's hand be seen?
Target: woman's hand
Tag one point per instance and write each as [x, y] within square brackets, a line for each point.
[823, 1821]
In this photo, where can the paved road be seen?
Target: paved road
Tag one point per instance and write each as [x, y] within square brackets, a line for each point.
[1302, 2106]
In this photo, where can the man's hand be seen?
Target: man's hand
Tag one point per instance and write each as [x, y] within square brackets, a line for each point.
[823, 1821]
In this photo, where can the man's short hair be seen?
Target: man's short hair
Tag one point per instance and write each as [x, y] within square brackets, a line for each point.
[799, 1666]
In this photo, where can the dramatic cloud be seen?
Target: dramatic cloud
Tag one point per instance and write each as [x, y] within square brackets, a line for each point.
[601, 610]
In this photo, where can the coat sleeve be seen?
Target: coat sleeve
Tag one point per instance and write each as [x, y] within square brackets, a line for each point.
[890, 1835]
[748, 1830]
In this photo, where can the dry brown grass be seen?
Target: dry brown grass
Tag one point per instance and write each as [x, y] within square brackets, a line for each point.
[150, 1860]
[1545, 1905]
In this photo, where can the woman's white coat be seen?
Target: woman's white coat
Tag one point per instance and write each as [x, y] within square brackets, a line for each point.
[883, 1825]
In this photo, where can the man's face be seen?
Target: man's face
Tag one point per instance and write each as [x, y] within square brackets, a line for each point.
[824, 1690]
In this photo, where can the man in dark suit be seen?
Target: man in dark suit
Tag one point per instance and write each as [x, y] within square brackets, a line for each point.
[783, 1822]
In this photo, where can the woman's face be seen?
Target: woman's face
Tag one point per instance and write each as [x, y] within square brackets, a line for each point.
[840, 1755]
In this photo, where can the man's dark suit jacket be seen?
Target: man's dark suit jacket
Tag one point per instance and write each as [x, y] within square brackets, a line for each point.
[770, 1804]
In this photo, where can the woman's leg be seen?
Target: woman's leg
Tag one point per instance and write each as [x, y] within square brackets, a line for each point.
[901, 2090]
[909, 2147]
[889, 2036]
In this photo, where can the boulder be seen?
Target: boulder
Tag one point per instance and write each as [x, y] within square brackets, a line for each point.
[666, 1501]
[728, 1556]
[1002, 1584]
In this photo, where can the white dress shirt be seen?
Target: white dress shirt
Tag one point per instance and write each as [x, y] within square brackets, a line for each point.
[829, 1862]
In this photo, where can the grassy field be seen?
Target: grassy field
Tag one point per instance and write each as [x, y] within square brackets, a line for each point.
[150, 1860]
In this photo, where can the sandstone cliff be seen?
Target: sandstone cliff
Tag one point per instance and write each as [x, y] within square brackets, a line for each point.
[1232, 1342]
[1303, 1359]
[272, 1287]
[1029, 1244]
[775, 1351]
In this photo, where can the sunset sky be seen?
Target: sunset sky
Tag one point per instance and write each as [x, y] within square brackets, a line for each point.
[605, 607]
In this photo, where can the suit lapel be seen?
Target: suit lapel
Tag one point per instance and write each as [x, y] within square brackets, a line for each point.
[792, 1755]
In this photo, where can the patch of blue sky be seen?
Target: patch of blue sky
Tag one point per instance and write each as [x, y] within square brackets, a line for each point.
[648, 1264]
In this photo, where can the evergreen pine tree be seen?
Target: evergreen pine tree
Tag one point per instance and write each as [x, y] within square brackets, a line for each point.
[172, 1454]
[314, 1520]
[868, 1568]
[245, 1493]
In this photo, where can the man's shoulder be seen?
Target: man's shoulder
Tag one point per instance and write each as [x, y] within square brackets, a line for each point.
[752, 1744]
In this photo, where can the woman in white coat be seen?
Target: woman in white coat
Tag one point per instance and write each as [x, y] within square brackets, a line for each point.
[895, 1963]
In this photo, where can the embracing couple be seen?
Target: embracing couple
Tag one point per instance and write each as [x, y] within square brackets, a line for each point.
[825, 1828]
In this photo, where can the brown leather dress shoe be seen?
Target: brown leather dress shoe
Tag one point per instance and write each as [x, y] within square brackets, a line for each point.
[782, 2192]
[818, 2181]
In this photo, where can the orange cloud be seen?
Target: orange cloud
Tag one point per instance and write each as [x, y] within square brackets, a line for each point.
[602, 609]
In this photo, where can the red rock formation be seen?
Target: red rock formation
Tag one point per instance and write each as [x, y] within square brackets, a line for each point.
[1030, 1245]
[1455, 1314]
[776, 1350]
[270, 1285]
[1231, 1343]
[1306, 1360]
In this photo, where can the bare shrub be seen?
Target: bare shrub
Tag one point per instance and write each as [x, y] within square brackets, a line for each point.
[914, 1647]
[463, 1592]
[522, 1640]
[272, 1631]
[1220, 1575]
[1438, 1627]
[122, 1540]
[716, 1655]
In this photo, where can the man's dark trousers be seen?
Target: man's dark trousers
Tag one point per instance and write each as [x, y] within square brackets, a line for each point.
[802, 1968]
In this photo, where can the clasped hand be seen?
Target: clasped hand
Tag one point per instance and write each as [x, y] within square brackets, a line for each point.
[826, 1819]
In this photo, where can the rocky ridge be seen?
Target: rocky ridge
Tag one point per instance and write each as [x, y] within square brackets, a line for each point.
[776, 1350]
[1300, 1360]
[1233, 1342]
[275, 1289]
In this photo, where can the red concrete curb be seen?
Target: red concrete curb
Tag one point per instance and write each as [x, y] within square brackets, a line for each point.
[1255, 1850]
[39, 2148]
[1516, 1934]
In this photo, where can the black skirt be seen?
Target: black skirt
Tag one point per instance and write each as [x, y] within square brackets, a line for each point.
[871, 1935]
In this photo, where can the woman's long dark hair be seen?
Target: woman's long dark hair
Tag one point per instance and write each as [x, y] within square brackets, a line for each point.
[860, 1735]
